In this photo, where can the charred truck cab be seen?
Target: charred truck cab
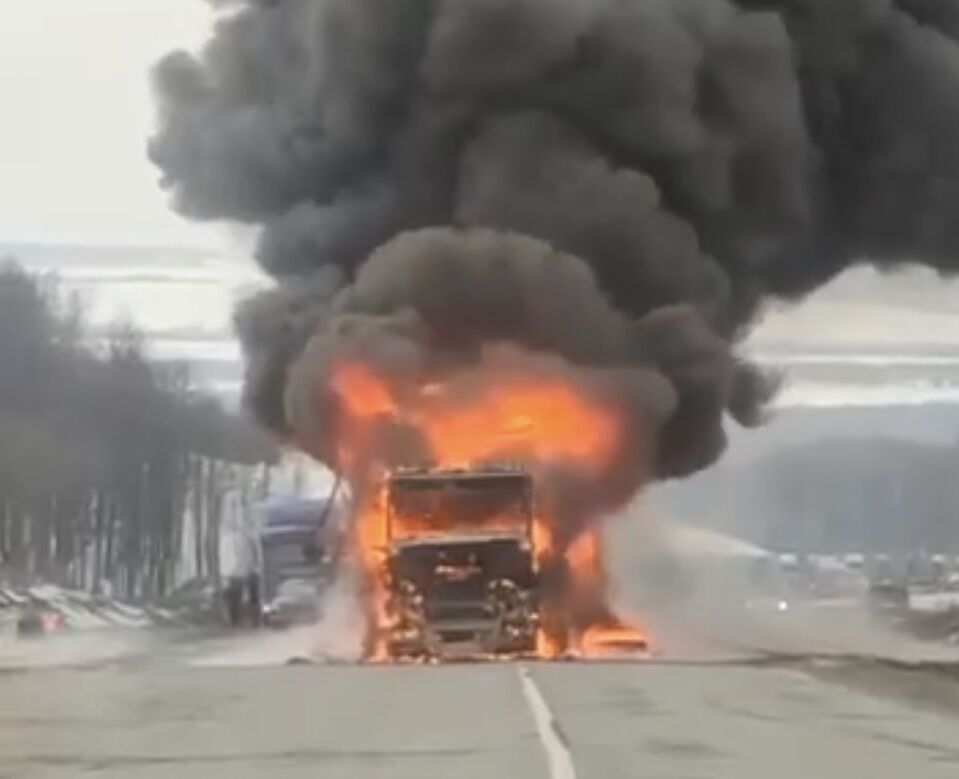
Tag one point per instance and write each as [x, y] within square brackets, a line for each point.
[460, 568]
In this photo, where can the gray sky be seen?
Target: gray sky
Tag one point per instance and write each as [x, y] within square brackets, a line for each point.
[77, 111]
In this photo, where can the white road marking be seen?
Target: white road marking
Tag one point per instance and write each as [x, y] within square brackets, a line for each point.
[558, 756]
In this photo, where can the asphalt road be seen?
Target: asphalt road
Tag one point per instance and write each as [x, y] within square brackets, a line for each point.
[148, 717]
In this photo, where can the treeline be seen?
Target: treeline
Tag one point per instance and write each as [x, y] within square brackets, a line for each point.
[835, 495]
[113, 471]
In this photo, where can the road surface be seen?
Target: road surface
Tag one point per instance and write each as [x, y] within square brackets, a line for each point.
[168, 715]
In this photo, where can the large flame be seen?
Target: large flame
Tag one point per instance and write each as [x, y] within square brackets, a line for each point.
[542, 421]
[602, 632]
[538, 420]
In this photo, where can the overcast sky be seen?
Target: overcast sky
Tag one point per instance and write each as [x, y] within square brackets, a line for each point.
[76, 114]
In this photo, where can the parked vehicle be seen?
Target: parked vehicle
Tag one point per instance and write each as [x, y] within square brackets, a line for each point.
[301, 542]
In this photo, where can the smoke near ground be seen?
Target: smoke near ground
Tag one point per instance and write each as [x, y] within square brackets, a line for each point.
[699, 594]
[617, 182]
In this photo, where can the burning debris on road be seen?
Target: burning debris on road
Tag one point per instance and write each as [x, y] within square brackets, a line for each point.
[535, 229]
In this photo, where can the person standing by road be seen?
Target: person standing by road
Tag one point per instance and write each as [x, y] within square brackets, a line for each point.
[244, 567]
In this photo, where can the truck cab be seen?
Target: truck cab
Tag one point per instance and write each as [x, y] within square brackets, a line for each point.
[461, 569]
[300, 540]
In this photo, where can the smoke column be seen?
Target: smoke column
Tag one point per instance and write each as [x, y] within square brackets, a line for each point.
[617, 183]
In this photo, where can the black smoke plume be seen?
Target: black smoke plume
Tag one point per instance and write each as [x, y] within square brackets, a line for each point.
[619, 182]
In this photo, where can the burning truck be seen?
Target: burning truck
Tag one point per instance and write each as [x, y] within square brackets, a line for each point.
[459, 568]
[490, 549]
[466, 571]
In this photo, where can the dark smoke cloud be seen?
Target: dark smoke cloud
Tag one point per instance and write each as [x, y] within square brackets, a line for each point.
[673, 162]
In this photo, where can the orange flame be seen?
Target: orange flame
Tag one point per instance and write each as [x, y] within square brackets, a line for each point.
[535, 419]
[370, 530]
[363, 393]
[583, 556]
[604, 634]
[541, 421]
[609, 640]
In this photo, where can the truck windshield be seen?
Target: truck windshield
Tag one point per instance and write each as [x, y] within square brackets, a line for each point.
[421, 506]
[289, 552]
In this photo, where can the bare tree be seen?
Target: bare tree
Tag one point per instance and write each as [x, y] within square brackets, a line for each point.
[104, 456]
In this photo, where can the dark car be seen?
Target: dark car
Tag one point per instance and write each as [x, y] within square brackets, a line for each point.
[889, 597]
[37, 620]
